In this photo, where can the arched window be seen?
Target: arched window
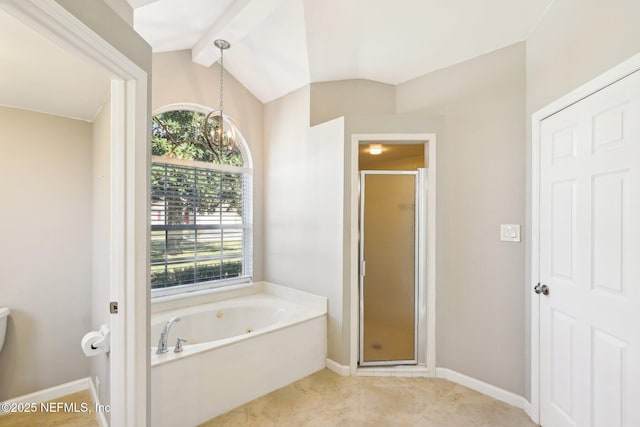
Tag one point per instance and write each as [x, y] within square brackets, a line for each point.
[201, 206]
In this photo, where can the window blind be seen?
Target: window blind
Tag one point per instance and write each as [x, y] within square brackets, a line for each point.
[201, 224]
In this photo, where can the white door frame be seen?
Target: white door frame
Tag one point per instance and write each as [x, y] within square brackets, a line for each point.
[609, 77]
[129, 355]
[356, 140]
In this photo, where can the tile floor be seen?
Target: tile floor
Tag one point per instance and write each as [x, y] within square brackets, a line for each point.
[75, 417]
[325, 399]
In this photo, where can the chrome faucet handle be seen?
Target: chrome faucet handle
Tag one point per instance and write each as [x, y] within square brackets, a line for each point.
[178, 347]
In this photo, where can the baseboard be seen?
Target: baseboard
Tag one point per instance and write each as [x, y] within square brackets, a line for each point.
[484, 388]
[102, 420]
[527, 409]
[339, 369]
[51, 393]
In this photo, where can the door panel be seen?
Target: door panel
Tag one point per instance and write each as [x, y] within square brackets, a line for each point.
[388, 287]
[589, 252]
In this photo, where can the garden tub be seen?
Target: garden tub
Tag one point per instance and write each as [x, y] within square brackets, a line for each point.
[236, 350]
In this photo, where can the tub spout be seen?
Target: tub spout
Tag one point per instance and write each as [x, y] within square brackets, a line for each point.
[164, 335]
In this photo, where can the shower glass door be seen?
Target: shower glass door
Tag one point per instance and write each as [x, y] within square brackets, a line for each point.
[388, 267]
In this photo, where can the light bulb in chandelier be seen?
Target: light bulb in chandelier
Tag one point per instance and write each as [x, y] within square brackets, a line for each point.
[221, 134]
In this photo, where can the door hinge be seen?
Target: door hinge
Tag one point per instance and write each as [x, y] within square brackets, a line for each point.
[113, 307]
[362, 268]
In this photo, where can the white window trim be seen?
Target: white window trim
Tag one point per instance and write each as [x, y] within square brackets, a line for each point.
[202, 286]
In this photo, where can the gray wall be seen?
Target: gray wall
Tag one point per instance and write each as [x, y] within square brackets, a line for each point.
[576, 41]
[45, 226]
[476, 109]
[176, 79]
[481, 184]
[330, 100]
[123, 9]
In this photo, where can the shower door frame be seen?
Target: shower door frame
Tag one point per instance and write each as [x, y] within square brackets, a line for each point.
[426, 366]
[418, 221]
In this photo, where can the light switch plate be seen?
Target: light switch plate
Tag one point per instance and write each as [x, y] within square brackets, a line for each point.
[510, 232]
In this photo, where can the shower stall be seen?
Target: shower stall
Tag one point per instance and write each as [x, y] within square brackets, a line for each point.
[391, 212]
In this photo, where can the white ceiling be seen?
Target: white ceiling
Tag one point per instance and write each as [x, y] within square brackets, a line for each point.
[278, 46]
[37, 75]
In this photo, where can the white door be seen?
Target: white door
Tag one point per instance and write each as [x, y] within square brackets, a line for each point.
[590, 259]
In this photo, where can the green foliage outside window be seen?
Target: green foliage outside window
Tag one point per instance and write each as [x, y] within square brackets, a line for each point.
[180, 134]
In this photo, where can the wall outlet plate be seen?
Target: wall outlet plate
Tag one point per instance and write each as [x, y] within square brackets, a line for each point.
[510, 232]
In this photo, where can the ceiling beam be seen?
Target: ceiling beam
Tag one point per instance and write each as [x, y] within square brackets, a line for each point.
[139, 3]
[236, 21]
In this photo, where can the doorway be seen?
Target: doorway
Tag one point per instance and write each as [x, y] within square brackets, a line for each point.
[126, 135]
[390, 212]
[585, 295]
[414, 353]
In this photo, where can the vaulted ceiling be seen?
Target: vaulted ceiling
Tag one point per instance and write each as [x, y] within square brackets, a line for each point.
[278, 46]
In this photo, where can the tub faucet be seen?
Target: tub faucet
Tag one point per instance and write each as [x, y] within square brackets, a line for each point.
[164, 335]
[178, 348]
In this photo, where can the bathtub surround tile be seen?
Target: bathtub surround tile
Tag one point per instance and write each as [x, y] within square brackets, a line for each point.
[70, 418]
[325, 399]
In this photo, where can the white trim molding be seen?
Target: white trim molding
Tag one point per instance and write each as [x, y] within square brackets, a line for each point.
[60, 391]
[50, 393]
[342, 370]
[102, 419]
[611, 76]
[484, 388]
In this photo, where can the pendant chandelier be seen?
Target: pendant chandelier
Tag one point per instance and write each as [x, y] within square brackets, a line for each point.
[219, 131]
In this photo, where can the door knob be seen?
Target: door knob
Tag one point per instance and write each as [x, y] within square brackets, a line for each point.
[541, 289]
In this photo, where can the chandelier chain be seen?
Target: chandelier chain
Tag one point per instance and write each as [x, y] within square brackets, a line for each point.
[215, 133]
[221, 81]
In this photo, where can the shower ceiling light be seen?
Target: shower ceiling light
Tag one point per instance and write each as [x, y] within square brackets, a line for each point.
[375, 149]
[218, 135]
